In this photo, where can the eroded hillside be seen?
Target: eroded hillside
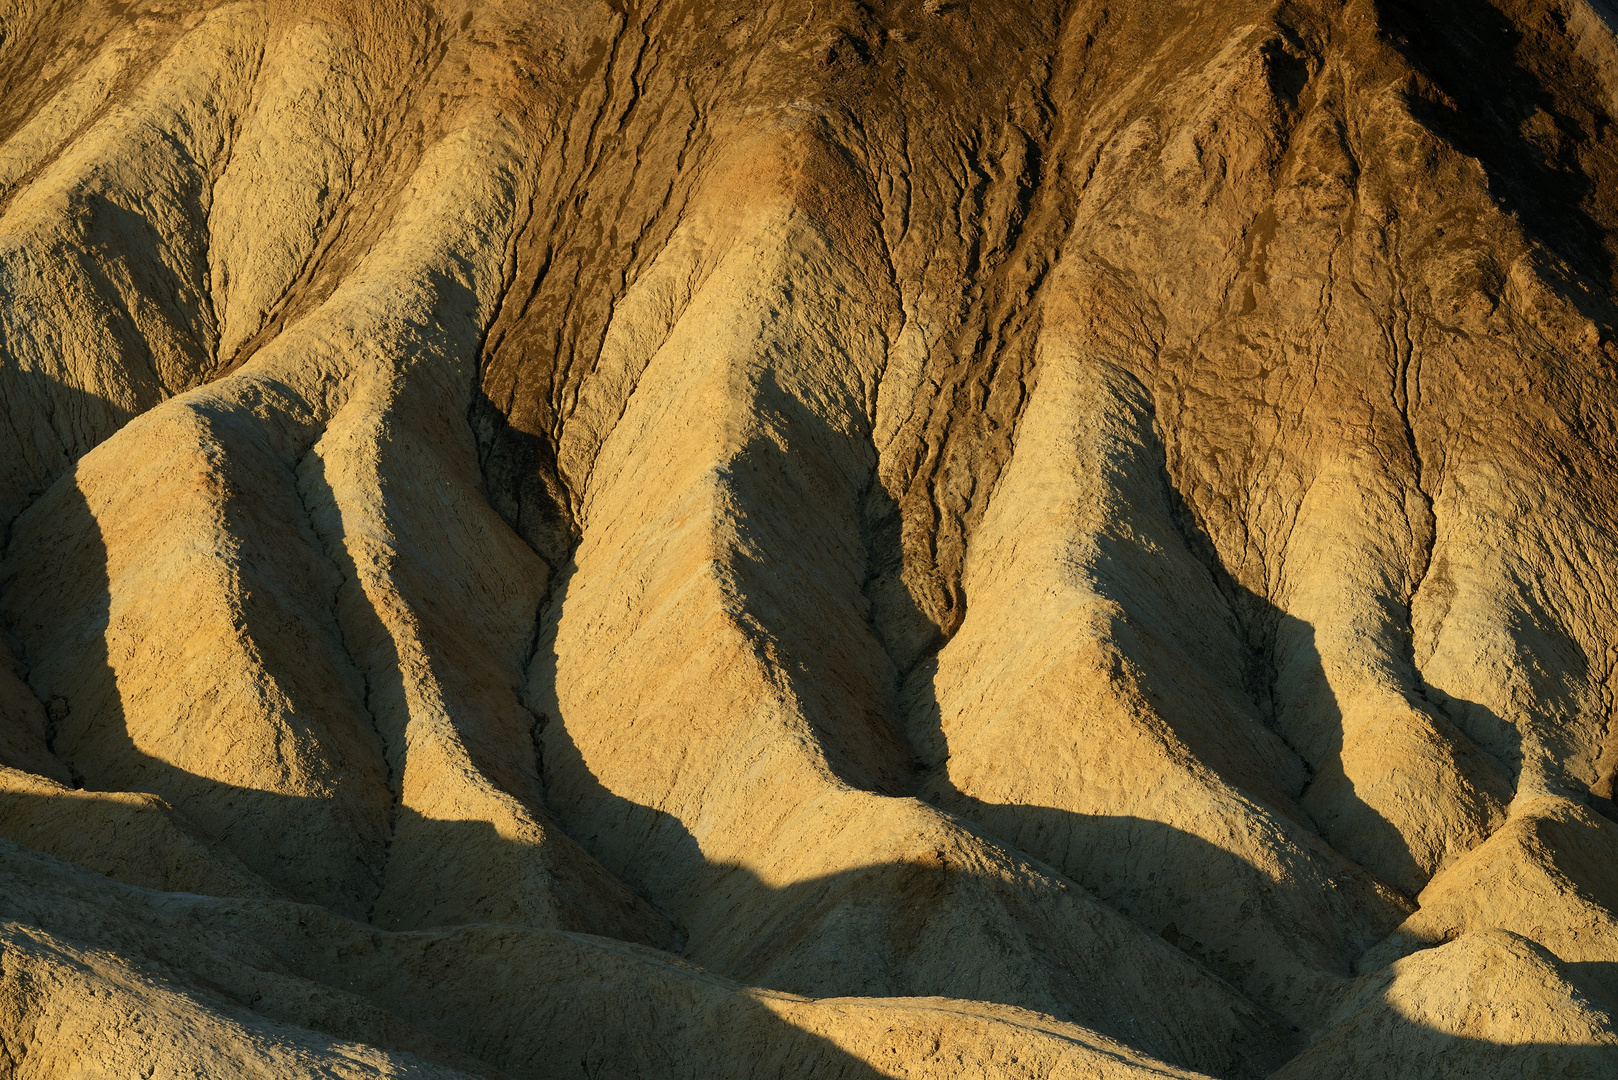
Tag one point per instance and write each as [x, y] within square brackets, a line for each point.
[915, 539]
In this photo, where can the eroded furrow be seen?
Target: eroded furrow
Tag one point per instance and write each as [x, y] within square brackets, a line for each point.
[1077, 536]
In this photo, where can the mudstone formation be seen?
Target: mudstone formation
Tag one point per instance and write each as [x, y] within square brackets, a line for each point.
[585, 538]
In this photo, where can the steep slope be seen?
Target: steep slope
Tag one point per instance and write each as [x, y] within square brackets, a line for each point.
[906, 539]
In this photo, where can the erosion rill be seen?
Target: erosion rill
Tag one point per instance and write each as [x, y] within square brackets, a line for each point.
[584, 538]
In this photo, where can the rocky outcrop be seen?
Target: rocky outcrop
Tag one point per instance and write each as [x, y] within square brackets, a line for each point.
[854, 539]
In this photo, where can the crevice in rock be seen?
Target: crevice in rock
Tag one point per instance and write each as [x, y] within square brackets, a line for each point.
[55, 709]
[898, 624]
[1255, 616]
[337, 558]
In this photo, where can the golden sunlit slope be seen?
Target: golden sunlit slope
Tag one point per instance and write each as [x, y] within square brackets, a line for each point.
[818, 538]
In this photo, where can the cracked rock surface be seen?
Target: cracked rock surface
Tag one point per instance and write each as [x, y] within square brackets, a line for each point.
[808, 538]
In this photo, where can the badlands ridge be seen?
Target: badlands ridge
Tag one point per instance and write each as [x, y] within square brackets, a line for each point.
[585, 538]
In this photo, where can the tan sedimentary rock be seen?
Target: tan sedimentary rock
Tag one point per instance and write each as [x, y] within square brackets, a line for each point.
[1162, 791]
[840, 539]
[752, 790]
[1489, 1003]
[279, 986]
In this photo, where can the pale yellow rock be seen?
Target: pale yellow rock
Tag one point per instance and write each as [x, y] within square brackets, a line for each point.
[104, 271]
[289, 173]
[521, 1000]
[133, 837]
[746, 793]
[1088, 708]
[326, 729]
[1396, 787]
[87, 1014]
[1506, 623]
[1487, 1004]
[1547, 875]
[809, 538]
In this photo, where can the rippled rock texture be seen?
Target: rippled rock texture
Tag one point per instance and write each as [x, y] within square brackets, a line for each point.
[810, 538]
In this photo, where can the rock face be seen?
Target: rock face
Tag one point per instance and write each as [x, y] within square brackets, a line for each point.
[820, 538]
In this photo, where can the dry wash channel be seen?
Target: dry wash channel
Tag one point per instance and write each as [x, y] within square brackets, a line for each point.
[932, 538]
